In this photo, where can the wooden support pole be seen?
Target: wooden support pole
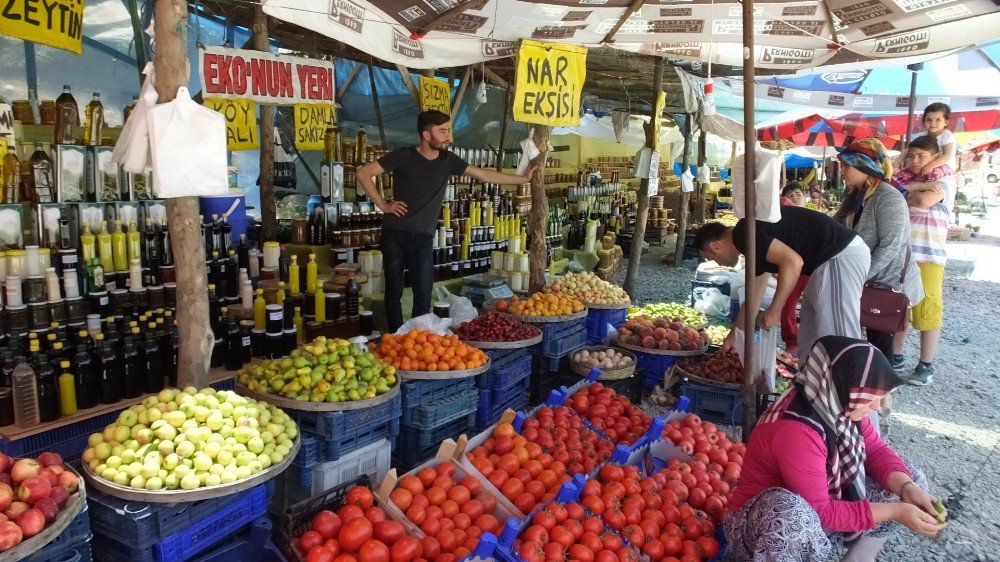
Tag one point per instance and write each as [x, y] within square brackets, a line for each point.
[194, 330]
[503, 128]
[642, 197]
[538, 250]
[350, 78]
[749, 161]
[378, 108]
[268, 209]
[636, 4]
[404, 73]
[456, 104]
[682, 212]
[428, 73]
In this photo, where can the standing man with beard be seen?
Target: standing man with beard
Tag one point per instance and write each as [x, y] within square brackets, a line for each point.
[419, 174]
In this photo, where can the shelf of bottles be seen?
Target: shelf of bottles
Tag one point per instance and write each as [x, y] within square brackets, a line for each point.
[599, 207]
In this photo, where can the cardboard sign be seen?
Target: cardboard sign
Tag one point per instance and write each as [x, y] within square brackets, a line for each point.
[434, 94]
[654, 173]
[56, 23]
[311, 122]
[550, 78]
[241, 122]
[264, 78]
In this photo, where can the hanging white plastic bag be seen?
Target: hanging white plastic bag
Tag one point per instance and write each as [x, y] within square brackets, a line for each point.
[460, 309]
[528, 152]
[710, 301]
[766, 183]
[188, 145]
[765, 343]
[687, 181]
[132, 148]
[429, 322]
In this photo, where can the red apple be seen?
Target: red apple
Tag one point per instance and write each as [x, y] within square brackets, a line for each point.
[34, 489]
[3, 518]
[24, 469]
[49, 475]
[60, 495]
[6, 496]
[5, 462]
[10, 535]
[50, 459]
[49, 508]
[31, 522]
[15, 509]
[5, 478]
[70, 481]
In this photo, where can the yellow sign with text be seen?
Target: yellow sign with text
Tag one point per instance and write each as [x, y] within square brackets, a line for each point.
[56, 23]
[241, 122]
[550, 79]
[434, 94]
[311, 122]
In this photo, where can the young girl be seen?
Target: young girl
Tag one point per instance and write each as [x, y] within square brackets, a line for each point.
[935, 118]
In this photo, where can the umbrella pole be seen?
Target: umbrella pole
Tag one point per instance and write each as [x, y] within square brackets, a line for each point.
[682, 210]
[911, 107]
[749, 161]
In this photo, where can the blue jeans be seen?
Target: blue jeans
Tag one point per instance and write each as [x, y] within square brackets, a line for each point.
[413, 251]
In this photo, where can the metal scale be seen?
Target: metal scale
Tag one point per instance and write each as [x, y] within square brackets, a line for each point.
[483, 288]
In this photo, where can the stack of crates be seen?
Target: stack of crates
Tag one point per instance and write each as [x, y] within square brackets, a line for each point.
[130, 531]
[504, 386]
[73, 543]
[550, 358]
[598, 320]
[434, 410]
[333, 436]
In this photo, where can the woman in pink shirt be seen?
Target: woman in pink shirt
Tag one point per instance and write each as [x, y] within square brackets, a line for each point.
[815, 468]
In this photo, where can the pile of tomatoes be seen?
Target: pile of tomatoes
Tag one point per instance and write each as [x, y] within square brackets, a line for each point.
[611, 413]
[521, 470]
[649, 517]
[451, 508]
[357, 532]
[561, 433]
[563, 532]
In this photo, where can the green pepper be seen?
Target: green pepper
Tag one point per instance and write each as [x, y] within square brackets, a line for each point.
[942, 513]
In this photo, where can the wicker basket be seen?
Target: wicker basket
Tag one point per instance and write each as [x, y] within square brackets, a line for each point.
[583, 369]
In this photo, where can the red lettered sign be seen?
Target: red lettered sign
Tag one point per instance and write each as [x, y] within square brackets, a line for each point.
[265, 78]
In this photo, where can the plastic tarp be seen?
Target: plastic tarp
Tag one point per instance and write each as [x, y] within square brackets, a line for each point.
[789, 34]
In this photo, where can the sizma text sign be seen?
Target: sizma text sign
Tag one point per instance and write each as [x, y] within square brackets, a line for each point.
[265, 78]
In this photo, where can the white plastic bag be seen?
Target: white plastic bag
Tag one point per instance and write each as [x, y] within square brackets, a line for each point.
[528, 152]
[188, 145]
[429, 322]
[460, 309]
[687, 181]
[132, 148]
[710, 301]
[766, 342]
[766, 183]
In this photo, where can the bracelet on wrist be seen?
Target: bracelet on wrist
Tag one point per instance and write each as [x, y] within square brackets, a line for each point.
[905, 484]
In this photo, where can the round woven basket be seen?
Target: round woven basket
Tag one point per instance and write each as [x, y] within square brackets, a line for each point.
[583, 369]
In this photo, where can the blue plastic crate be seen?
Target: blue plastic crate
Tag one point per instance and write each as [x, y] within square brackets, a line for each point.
[310, 450]
[714, 404]
[69, 440]
[554, 330]
[138, 525]
[221, 524]
[498, 357]
[565, 343]
[354, 440]
[651, 367]
[434, 414]
[418, 445]
[420, 392]
[225, 384]
[598, 320]
[75, 537]
[510, 372]
[254, 545]
[330, 425]
[493, 404]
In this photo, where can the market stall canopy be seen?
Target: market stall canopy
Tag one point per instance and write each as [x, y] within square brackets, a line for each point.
[789, 35]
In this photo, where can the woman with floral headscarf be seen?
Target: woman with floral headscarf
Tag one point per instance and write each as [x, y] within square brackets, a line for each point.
[816, 470]
[877, 212]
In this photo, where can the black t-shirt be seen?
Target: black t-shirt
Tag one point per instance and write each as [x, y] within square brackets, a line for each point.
[419, 183]
[814, 236]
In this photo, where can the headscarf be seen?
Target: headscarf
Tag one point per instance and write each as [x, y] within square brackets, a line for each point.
[871, 157]
[839, 374]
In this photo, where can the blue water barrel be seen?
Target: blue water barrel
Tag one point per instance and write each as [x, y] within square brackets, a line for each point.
[218, 205]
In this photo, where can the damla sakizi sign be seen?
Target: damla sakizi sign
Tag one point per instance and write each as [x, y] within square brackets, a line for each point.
[550, 79]
[263, 77]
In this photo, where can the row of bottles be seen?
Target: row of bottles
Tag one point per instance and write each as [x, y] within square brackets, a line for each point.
[117, 358]
[68, 120]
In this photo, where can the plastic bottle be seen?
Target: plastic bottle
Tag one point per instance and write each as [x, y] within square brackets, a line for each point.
[281, 293]
[11, 180]
[232, 276]
[166, 250]
[217, 235]
[67, 390]
[151, 255]
[297, 321]
[104, 249]
[152, 362]
[106, 365]
[293, 276]
[25, 396]
[67, 118]
[86, 384]
[133, 374]
[41, 170]
[226, 239]
[320, 305]
[95, 121]
[119, 247]
[246, 294]
[234, 346]
[259, 310]
[351, 296]
[48, 389]
[311, 274]
[95, 276]
[134, 242]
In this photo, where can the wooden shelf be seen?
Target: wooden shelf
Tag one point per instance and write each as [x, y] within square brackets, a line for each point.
[45, 133]
[13, 432]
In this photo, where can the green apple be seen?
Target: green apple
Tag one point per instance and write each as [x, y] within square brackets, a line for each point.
[128, 455]
[109, 432]
[165, 447]
[226, 431]
[154, 483]
[102, 451]
[172, 482]
[170, 461]
[226, 409]
[109, 474]
[93, 464]
[175, 418]
[145, 436]
[264, 460]
[213, 479]
[185, 449]
[190, 481]
[216, 469]
[117, 450]
[244, 458]
[214, 421]
[95, 439]
[267, 437]
[122, 434]
[276, 457]
[167, 394]
[144, 417]
[165, 431]
[113, 461]
[202, 462]
[224, 457]
[133, 469]
[202, 478]
[243, 472]
[88, 455]
[212, 449]
[149, 470]
[135, 429]
[182, 470]
[228, 476]
[132, 445]
[201, 413]
[122, 478]
[138, 482]
[128, 418]
[154, 414]
[255, 466]
[255, 445]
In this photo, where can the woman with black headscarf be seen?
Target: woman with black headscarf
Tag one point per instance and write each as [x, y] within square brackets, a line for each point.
[816, 469]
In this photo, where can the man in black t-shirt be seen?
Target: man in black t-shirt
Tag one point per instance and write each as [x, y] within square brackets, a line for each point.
[419, 177]
[803, 242]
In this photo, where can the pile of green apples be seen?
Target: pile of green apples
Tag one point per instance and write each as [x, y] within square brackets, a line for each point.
[323, 370]
[189, 439]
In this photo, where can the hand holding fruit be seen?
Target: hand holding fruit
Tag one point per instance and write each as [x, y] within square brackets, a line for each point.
[914, 495]
[918, 520]
[729, 344]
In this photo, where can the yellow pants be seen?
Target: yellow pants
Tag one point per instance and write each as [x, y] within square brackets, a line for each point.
[928, 314]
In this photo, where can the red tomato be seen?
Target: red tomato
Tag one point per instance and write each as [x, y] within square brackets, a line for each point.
[671, 544]
[554, 552]
[447, 540]
[562, 536]
[708, 545]
[605, 556]
[580, 553]
[373, 551]
[536, 534]
[654, 549]
[406, 549]
[345, 558]
[612, 473]
[388, 531]
[431, 546]
[374, 514]
[431, 526]
[697, 498]
[360, 496]
[355, 533]
[692, 527]
[310, 539]
[349, 512]
[320, 554]
[401, 497]
[593, 525]
[416, 514]
[332, 545]
[326, 523]
[472, 508]
[634, 535]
